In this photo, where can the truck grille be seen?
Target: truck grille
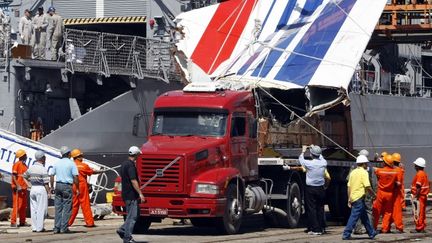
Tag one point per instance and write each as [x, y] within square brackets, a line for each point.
[172, 179]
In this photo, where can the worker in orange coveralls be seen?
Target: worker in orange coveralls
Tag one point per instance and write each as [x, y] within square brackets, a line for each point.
[19, 189]
[399, 203]
[383, 204]
[83, 198]
[420, 191]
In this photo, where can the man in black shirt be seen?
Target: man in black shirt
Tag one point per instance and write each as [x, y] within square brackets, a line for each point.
[131, 194]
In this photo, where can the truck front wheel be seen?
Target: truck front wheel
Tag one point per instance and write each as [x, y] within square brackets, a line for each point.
[233, 215]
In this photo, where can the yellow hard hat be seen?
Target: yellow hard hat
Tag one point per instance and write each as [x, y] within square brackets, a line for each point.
[388, 159]
[20, 153]
[383, 154]
[76, 153]
[396, 157]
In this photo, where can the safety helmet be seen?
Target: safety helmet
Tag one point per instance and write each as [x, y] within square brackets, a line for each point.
[315, 150]
[51, 9]
[364, 152]
[420, 162]
[388, 159]
[39, 155]
[64, 150]
[361, 159]
[134, 150]
[76, 153]
[396, 157]
[20, 153]
[383, 154]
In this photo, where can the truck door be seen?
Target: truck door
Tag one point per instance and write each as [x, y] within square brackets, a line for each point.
[238, 143]
[252, 150]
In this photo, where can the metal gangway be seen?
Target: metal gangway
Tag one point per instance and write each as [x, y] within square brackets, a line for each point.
[109, 54]
[104, 54]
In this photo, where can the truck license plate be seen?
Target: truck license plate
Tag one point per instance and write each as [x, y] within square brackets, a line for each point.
[158, 211]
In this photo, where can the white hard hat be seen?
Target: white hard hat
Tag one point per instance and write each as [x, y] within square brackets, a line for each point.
[315, 150]
[64, 150]
[420, 162]
[39, 155]
[134, 150]
[364, 152]
[362, 159]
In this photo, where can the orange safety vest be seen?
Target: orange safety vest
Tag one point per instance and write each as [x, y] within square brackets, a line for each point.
[18, 169]
[420, 179]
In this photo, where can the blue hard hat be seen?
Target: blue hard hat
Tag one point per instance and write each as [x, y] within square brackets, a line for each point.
[51, 9]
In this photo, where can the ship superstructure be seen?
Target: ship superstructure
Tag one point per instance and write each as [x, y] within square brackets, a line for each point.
[97, 96]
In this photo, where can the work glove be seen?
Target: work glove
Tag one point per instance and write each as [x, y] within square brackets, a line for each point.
[286, 167]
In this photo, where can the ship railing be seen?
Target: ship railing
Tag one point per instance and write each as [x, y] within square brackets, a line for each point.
[365, 82]
[109, 54]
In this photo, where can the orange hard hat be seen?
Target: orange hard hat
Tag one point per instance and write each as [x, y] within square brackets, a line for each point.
[383, 154]
[396, 157]
[388, 159]
[76, 153]
[20, 153]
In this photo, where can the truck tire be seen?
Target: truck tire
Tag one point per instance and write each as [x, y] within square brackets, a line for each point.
[202, 222]
[142, 225]
[294, 205]
[231, 221]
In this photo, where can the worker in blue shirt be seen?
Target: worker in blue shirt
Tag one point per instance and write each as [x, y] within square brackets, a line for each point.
[66, 174]
[315, 191]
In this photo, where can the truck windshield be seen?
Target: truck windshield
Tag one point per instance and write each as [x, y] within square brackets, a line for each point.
[189, 124]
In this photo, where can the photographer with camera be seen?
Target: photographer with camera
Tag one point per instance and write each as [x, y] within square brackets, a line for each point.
[315, 188]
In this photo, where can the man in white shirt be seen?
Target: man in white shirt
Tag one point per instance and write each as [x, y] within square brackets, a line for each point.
[37, 179]
[25, 27]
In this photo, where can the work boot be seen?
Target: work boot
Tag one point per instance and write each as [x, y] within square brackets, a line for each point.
[13, 225]
[24, 225]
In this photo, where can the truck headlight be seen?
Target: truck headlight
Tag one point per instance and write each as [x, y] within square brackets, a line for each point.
[207, 189]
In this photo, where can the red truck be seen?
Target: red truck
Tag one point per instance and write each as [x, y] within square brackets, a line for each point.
[204, 161]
